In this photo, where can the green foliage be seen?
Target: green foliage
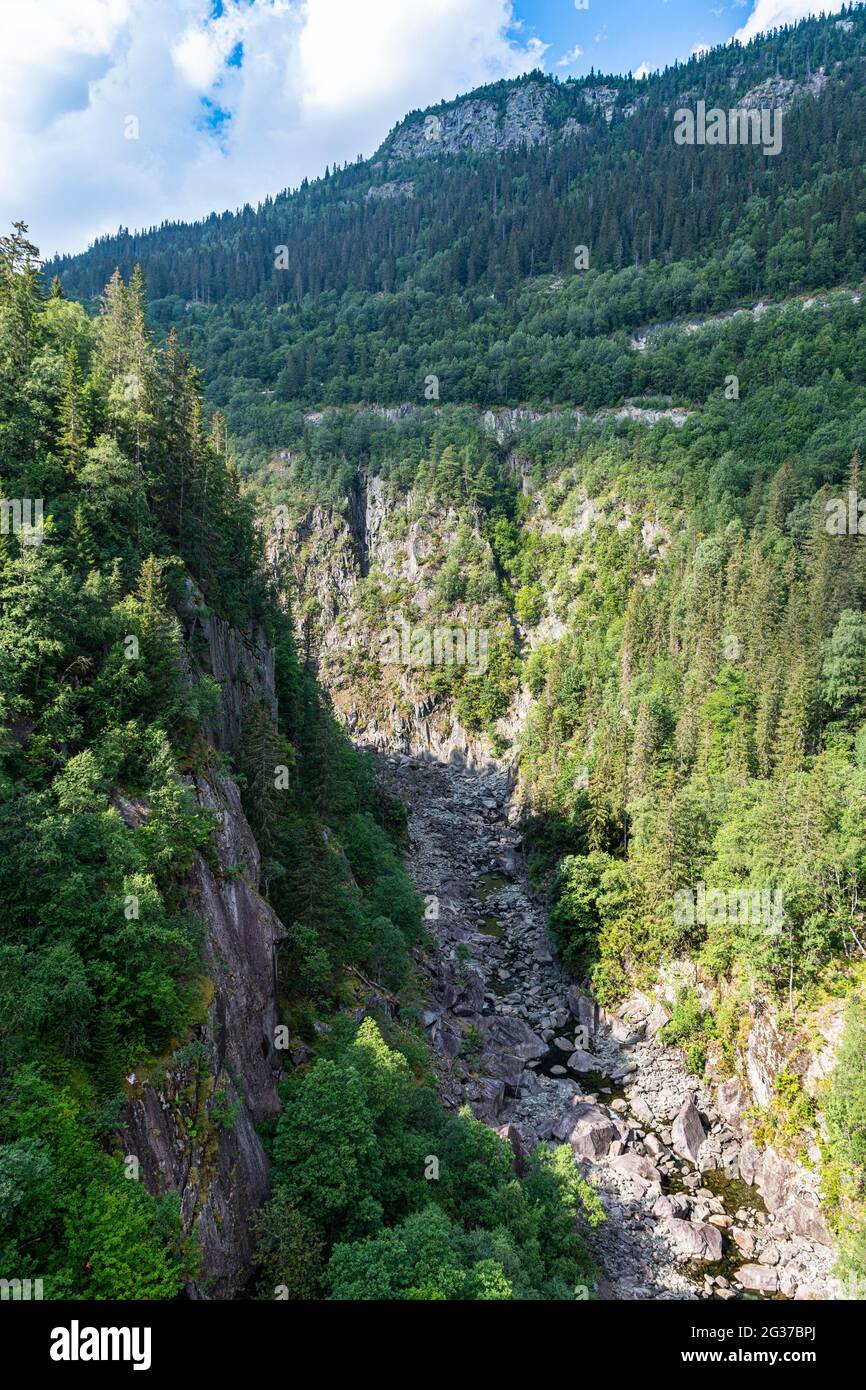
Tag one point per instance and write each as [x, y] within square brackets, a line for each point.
[352, 1152]
[100, 962]
[472, 1045]
[288, 1250]
[575, 916]
[845, 1170]
[423, 1257]
[325, 1152]
[690, 1027]
[68, 1213]
[305, 966]
[788, 1115]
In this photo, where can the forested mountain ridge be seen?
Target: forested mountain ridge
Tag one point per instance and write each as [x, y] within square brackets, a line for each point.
[467, 271]
[230, 256]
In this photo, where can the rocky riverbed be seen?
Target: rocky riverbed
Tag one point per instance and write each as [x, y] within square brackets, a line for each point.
[694, 1210]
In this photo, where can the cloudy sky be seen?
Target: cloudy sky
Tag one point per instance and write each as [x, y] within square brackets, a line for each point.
[128, 112]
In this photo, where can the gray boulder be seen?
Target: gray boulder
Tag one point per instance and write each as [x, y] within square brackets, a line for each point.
[671, 1204]
[758, 1278]
[487, 1095]
[732, 1098]
[775, 1178]
[589, 1131]
[642, 1171]
[507, 1067]
[802, 1216]
[625, 1033]
[641, 1110]
[583, 1061]
[751, 1163]
[513, 1035]
[694, 1240]
[584, 1009]
[688, 1133]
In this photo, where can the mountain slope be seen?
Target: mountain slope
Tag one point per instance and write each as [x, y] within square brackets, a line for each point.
[420, 263]
[583, 136]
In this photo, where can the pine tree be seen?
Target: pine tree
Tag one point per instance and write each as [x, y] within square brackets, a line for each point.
[71, 436]
[784, 492]
[640, 768]
[21, 293]
[792, 738]
[159, 636]
[82, 540]
[141, 383]
[112, 331]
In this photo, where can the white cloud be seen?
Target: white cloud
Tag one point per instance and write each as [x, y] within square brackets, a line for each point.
[699, 49]
[67, 46]
[570, 57]
[198, 56]
[643, 71]
[320, 82]
[772, 14]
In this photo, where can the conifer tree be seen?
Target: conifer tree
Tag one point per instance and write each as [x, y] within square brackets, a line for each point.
[82, 540]
[21, 294]
[71, 437]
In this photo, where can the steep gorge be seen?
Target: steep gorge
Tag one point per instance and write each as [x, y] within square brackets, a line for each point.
[695, 1209]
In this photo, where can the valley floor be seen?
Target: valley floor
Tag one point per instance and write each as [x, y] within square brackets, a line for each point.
[535, 1058]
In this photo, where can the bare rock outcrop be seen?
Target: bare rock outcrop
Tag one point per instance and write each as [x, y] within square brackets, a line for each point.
[191, 1123]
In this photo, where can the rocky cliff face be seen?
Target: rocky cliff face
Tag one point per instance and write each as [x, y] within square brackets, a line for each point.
[191, 1122]
[241, 663]
[476, 125]
[531, 114]
[360, 576]
[361, 572]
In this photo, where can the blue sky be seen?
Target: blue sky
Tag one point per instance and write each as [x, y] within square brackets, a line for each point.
[128, 112]
[623, 35]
